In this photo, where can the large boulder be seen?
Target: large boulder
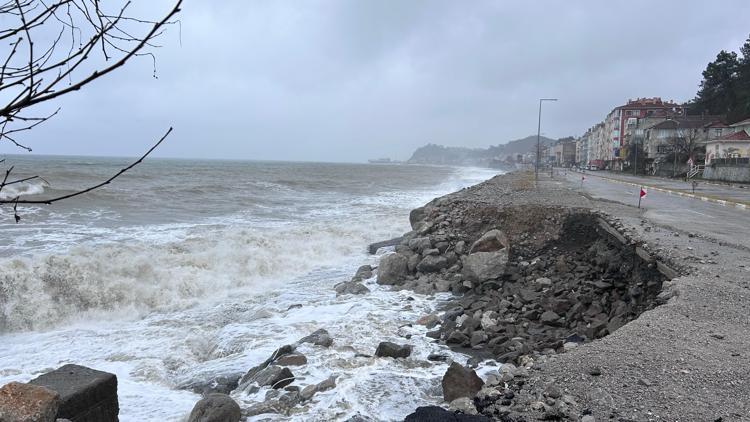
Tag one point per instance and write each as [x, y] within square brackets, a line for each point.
[325, 385]
[220, 384]
[351, 288]
[363, 273]
[86, 395]
[432, 263]
[292, 359]
[460, 381]
[420, 244]
[492, 241]
[393, 350]
[319, 338]
[483, 266]
[373, 248]
[416, 216]
[392, 269]
[273, 376]
[26, 403]
[216, 408]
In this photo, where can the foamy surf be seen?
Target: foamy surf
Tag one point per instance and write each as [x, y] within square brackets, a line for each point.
[166, 305]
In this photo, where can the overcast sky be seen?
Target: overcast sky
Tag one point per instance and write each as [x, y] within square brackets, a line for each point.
[352, 80]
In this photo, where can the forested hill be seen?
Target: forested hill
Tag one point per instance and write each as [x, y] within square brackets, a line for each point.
[438, 154]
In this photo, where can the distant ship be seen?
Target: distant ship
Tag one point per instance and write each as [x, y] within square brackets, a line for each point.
[382, 161]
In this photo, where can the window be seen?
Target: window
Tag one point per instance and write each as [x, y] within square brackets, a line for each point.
[717, 132]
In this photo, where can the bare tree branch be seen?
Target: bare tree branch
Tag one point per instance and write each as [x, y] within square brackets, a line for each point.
[56, 47]
[89, 189]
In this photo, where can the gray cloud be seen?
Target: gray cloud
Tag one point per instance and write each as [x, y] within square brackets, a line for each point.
[347, 81]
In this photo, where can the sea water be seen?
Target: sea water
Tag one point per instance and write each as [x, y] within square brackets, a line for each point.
[184, 270]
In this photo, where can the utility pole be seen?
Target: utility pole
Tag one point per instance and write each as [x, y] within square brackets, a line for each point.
[635, 161]
[538, 135]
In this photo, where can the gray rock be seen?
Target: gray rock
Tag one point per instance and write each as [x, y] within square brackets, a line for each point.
[393, 269]
[364, 272]
[493, 240]
[420, 244]
[460, 381]
[223, 384]
[373, 248]
[216, 408]
[549, 318]
[442, 286]
[393, 350]
[433, 334]
[464, 405]
[351, 288]
[543, 281]
[416, 216]
[438, 414]
[273, 376]
[411, 264]
[457, 337]
[431, 252]
[360, 418]
[477, 338]
[282, 405]
[292, 359]
[325, 385]
[432, 263]
[319, 338]
[483, 266]
[86, 394]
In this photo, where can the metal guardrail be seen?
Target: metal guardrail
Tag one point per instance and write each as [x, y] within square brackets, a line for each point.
[730, 161]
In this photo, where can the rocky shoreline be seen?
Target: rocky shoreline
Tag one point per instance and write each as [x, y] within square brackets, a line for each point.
[568, 298]
[573, 309]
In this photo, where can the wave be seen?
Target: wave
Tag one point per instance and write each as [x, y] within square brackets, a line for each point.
[127, 271]
[22, 189]
[133, 279]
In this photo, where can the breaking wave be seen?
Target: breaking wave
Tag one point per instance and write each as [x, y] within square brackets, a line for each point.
[134, 278]
[22, 189]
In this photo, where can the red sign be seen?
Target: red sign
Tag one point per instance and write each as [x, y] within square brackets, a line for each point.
[643, 192]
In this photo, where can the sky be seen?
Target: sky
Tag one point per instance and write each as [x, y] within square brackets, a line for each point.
[352, 80]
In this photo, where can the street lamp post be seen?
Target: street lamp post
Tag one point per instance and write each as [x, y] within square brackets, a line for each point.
[635, 161]
[538, 135]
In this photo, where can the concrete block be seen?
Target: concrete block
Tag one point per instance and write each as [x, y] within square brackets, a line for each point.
[87, 395]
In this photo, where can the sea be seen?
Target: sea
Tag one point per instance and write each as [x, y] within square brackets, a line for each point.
[184, 270]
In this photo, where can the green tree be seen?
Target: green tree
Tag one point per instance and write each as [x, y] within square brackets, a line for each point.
[718, 89]
[743, 82]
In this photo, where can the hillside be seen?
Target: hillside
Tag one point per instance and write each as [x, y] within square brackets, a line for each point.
[486, 157]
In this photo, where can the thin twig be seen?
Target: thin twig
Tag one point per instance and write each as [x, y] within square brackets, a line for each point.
[81, 192]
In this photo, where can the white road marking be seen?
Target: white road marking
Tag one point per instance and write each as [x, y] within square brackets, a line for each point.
[699, 213]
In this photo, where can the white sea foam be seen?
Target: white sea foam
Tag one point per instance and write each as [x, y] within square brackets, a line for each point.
[22, 189]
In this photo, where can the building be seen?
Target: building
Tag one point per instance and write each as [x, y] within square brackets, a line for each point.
[564, 151]
[658, 139]
[582, 149]
[623, 122]
[730, 145]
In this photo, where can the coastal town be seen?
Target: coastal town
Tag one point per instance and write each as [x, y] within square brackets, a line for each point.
[652, 136]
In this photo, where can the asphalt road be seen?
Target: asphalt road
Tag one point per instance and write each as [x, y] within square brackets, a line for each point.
[724, 223]
[737, 192]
